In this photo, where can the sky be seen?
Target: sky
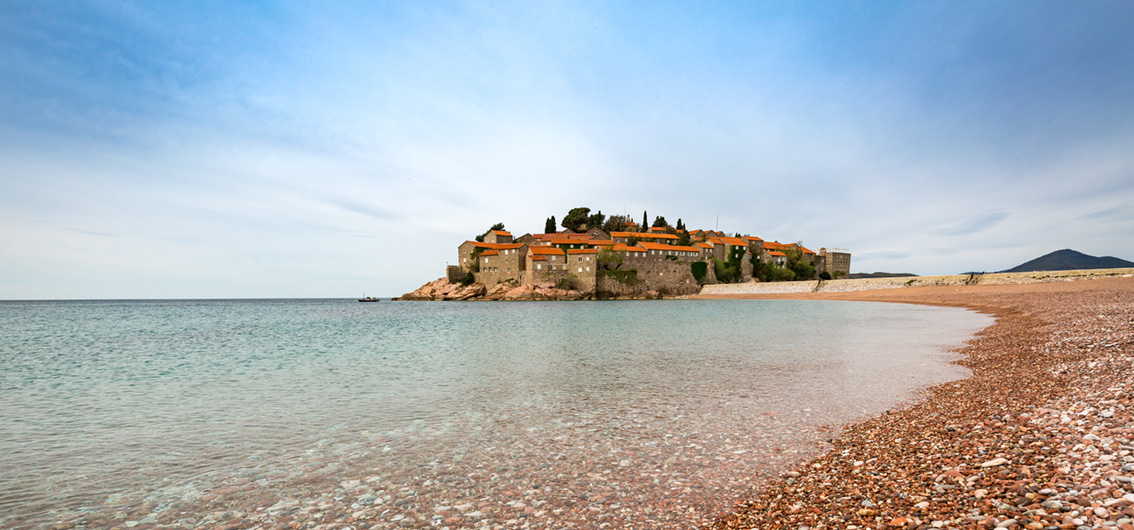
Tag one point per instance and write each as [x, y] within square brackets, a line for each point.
[331, 149]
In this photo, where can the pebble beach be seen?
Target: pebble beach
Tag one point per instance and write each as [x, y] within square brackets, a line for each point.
[1041, 436]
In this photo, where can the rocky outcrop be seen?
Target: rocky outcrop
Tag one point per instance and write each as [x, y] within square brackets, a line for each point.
[442, 289]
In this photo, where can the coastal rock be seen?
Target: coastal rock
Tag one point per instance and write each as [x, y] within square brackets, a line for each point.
[441, 289]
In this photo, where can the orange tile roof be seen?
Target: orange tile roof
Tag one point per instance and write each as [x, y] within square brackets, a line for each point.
[751, 238]
[495, 246]
[658, 246]
[657, 229]
[806, 250]
[777, 253]
[490, 253]
[561, 235]
[582, 251]
[704, 244]
[545, 251]
[774, 245]
[643, 235]
[734, 241]
[623, 247]
[502, 233]
[538, 258]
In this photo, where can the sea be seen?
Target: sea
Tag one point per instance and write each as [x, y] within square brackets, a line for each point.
[339, 414]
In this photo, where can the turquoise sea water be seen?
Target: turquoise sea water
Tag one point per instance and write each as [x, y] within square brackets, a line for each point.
[109, 405]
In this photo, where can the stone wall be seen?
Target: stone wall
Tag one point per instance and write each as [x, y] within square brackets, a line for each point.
[869, 284]
[454, 274]
[664, 276]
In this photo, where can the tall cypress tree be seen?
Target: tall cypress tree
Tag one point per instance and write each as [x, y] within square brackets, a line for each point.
[549, 226]
[645, 224]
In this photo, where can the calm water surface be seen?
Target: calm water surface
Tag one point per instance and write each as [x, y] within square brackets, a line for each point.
[148, 406]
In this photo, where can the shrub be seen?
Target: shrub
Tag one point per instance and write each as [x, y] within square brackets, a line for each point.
[727, 272]
[570, 282]
[628, 277]
[699, 269]
[824, 275]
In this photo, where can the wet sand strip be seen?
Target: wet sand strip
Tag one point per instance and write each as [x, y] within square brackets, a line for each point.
[1040, 437]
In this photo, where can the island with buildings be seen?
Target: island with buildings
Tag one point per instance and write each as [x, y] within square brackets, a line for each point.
[595, 257]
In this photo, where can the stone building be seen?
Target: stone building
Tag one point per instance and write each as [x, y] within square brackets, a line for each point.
[835, 261]
[633, 262]
[497, 236]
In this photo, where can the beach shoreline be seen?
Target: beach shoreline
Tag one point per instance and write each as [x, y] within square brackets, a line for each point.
[1041, 435]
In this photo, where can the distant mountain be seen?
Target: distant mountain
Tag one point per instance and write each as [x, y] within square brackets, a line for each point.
[1067, 260]
[858, 275]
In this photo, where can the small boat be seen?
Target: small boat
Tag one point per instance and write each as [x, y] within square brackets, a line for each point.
[367, 299]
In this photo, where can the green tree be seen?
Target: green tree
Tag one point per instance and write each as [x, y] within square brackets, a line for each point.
[609, 260]
[643, 226]
[659, 222]
[726, 271]
[699, 270]
[497, 226]
[549, 225]
[576, 219]
[797, 264]
[616, 223]
[680, 225]
[595, 220]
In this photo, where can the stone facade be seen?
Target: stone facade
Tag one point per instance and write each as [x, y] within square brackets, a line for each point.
[497, 236]
[654, 263]
[835, 261]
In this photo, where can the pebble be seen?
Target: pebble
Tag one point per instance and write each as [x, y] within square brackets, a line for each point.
[1053, 453]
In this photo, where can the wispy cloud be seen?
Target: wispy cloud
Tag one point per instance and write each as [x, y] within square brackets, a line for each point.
[1122, 212]
[90, 233]
[257, 142]
[974, 225]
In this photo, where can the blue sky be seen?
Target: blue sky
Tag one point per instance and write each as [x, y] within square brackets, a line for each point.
[222, 149]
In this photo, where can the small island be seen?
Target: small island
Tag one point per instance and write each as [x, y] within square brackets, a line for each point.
[598, 257]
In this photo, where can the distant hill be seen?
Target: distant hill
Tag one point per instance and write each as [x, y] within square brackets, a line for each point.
[1067, 260]
[859, 275]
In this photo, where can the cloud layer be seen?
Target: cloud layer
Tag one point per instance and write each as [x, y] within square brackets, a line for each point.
[190, 150]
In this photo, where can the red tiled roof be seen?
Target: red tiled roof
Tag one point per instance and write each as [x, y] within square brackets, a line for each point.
[658, 229]
[495, 246]
[777, 253]
[561, 235]
[502, 233]
[658, 246]
[490, 253]
[643, 235]
[582, 251]
[538, 258]
[751, 238]
[734, 241]
[545, 251]
[623, 247]
[704, 244]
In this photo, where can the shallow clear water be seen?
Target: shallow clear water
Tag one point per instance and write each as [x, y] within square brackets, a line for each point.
[116, 405]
